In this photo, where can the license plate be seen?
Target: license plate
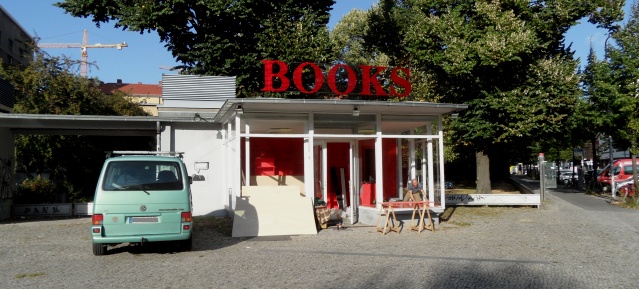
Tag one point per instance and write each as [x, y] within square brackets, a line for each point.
[143, 219]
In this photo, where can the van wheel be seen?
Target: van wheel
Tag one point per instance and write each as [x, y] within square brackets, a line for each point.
[186, 245]
[99, 249]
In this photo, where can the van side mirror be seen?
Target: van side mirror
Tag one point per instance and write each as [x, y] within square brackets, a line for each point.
[190, 180]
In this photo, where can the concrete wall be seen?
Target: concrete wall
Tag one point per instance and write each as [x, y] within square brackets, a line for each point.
[7, 171]
[201, 145]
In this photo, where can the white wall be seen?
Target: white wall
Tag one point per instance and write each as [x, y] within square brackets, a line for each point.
[200, 144]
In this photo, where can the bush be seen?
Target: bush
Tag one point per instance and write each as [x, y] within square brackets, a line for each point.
[35, 191]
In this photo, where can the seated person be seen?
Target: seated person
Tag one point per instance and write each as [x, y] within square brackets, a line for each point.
[127, 178]
[414, 192]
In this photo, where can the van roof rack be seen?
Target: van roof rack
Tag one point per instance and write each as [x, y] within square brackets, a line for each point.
[143, 153]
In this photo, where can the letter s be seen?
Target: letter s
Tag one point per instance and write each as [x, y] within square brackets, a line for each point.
[401, 82]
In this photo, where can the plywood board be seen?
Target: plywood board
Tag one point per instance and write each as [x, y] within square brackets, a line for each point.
[285, 180]
[273, 213]
[249, 191]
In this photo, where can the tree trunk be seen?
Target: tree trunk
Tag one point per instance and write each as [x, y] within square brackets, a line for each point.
[595, 159]
[483, 173]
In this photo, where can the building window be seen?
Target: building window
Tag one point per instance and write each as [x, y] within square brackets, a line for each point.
[10, 45]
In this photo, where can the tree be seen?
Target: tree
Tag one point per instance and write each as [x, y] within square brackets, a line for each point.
[505, 59]
[595, 114]
[49, 86]
[624, 80]
[348, 44]
[213, 37]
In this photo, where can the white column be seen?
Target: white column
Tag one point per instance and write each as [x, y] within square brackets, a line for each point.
[247, 155]
[440, 150]
[237, 158]
[431, 173]
[309, 161]
[379, 174]
[400, 177]
[324, 171]
[412, 170]
[228, 163]
[424, 167]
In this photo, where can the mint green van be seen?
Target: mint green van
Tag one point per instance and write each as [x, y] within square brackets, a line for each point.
[142, 197]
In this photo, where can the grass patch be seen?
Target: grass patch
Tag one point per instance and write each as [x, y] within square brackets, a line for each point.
[222, 225]
[503, 187]
[20, 276]
[629, 203]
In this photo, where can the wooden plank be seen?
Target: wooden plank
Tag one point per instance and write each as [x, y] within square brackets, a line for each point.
[272, 212]
[249, 191]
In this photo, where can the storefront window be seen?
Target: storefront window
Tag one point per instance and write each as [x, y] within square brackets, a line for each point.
[344, 124]
[275, 123]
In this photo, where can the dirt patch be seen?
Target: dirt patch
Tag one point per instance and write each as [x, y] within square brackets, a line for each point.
[221, 225]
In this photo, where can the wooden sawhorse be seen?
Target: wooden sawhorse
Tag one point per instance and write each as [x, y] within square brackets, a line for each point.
[421, 226]
[387, 208]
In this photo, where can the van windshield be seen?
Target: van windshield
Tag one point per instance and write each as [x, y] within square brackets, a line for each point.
[142, 176]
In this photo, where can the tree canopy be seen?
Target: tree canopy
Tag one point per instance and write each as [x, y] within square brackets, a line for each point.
[213, 37]
[506, 59]
[49, 86]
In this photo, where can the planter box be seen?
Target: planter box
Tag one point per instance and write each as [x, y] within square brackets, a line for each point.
[83, 209]
[493, 199]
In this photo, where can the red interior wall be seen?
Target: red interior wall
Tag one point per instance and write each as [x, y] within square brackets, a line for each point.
[277, 156]
[389, 164]
[337, 157]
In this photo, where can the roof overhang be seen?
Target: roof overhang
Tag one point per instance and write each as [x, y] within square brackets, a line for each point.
[275, 105]
[49, 124]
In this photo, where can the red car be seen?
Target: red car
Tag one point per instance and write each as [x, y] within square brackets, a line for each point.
[622, 170]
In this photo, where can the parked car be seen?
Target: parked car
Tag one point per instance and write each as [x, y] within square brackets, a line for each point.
[591, 175]
[626, 188]
[621, 169]
[567, 178]
[142, 197]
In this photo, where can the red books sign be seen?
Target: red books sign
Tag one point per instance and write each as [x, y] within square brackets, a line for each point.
[346, 83]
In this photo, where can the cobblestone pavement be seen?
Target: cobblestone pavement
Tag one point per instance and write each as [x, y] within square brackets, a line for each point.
[558, 246]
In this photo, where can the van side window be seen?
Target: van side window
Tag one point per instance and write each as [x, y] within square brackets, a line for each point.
[142, 175]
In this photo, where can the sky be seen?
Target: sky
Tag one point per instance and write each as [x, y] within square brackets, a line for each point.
[143, 59]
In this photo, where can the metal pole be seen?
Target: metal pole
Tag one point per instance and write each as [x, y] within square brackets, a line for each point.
[158, 136]
[611, 172]
[542, 177]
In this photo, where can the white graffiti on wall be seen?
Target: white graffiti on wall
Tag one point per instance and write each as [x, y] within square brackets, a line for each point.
[493, 199]
[42, 210]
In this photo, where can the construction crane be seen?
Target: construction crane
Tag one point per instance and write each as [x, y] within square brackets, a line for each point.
[83, 46]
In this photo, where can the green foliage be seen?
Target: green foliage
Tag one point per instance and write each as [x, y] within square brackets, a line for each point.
[348, 41]
[505, 59]
[214, 37]
[624, 80]
[49, 86]
[36, 190]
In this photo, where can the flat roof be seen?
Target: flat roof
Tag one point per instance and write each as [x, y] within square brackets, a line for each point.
[147, 125]
[275, 105]
[85, 124]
